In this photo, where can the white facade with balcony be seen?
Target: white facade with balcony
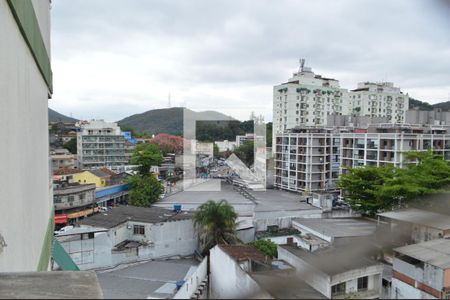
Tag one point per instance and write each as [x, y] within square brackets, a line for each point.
[100, 144]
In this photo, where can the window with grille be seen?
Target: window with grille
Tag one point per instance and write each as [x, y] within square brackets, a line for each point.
[138, 230]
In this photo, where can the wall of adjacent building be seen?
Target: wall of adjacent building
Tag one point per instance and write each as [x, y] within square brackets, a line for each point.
[26, 217]
[229, 281]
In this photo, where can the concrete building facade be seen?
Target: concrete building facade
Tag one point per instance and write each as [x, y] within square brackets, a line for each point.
[307, 99]
[26, 212]
[307, 161]
[380, 100]
[100, 144]
[129, 234]
[422, 271]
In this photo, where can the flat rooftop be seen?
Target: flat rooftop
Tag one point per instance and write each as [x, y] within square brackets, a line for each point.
[121, 214]
[50, 285]
[418, 216]
[342, 227]
[286, 286]
[155, 279]
[265, 201]
[435, 252]
[334, 260]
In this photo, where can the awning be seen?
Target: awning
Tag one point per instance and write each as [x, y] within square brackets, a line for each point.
[61, 219]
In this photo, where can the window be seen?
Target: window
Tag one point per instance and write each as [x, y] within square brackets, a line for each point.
[362, 283]
[338, 289]
[138, 230]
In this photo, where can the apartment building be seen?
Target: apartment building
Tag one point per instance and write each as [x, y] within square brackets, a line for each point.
[386, 144]
[307, 99]
[422, 271]
[307, 160]
[100, 144]
[310, 159]
[380, 100]
[26, 213]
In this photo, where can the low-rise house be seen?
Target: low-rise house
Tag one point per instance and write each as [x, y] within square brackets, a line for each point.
[317, 233]
[65, 175]
[131, 234]
[100, 177]
[62, 160]
[336, 272]
[242, 271]
[71, 196]
[413, 225]
[422, 271]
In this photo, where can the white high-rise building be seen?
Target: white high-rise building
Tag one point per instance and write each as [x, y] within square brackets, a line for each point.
[380, 100]
[307, 99]
[26, 200]
[100, 144]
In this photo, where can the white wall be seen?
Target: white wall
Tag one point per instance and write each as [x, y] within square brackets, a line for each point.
[401, 290]
[315, 278]
[229, 281]
[193, 281]
[25, 187]
[177, 238]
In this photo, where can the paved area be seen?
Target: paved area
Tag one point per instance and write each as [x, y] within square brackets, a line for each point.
[141, 280]
[265, 201]
[50, 285]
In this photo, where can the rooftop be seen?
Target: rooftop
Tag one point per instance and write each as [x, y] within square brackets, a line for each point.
[121, 214]
[67, 171]
[421, 217]
[286, 286]
[103, 173]
[342, 227]
[156, 279]
[435, 252]
[334, 260]
[244, 252]
[50, 285]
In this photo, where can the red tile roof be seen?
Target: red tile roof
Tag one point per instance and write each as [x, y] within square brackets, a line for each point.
[244, 252]
[66, 171]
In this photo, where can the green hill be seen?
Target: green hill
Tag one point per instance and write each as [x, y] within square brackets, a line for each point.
[166, 120]
[54, 116]
[421, 105]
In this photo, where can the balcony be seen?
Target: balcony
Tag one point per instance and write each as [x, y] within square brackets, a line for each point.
[361, 294]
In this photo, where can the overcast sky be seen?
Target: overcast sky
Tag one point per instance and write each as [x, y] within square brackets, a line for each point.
[115, 58]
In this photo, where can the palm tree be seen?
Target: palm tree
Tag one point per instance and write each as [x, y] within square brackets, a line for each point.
[216, 221]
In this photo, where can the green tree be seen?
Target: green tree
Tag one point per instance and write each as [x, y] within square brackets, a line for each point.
[246, 153]
[269, 134]
[217, 224]
[373, 189]
[71, 145]
[146, 156]
[215, 150]
[267, 247]
[144, 190]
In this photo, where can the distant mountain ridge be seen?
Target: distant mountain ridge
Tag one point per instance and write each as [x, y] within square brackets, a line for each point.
[422, 105]
[166, 120]
[54, 116]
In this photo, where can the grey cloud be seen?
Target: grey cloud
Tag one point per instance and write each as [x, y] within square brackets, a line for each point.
[249, 43]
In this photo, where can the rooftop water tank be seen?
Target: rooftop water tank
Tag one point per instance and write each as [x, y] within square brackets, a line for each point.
[177, 208]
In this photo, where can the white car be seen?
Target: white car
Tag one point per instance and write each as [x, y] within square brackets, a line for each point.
[64, 229]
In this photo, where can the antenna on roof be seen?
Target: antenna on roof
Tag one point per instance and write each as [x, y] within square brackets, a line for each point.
[302, 64]
[169, 104]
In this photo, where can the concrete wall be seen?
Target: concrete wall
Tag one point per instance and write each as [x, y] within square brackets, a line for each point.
[283, 219]
[193, 282]
[229, 281]
[177, 238]
[401, 290]
[314, 277]
[25, 205]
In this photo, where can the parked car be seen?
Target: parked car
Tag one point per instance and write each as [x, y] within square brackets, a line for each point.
[64, 229]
